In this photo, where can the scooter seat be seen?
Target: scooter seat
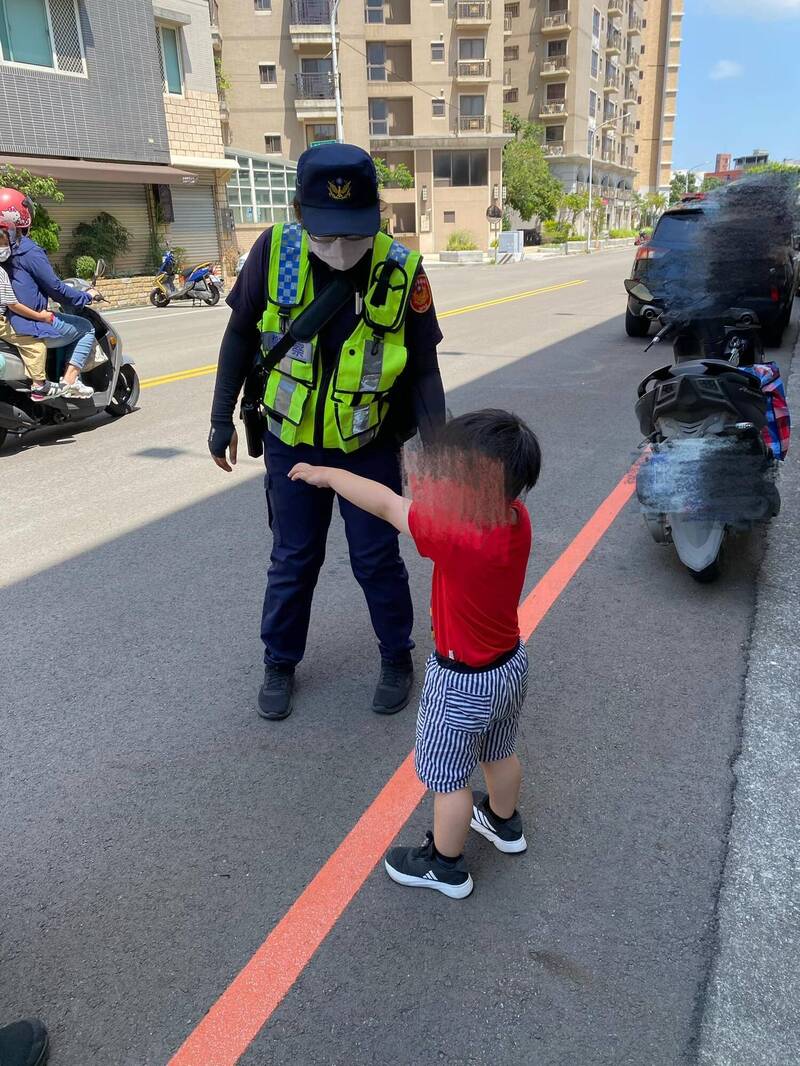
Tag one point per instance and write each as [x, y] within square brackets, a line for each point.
[11, 366]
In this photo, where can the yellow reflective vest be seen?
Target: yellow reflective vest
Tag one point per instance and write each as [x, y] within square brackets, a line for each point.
[345, 405]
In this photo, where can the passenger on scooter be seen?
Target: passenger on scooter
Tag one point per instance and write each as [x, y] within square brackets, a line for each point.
[34, 281]
[32, 350]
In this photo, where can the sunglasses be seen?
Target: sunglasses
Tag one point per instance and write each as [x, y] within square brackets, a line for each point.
[338, 237]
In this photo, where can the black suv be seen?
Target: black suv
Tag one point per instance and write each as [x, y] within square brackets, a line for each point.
[725, 248]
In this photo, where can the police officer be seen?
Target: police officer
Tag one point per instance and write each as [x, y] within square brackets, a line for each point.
[349, 398]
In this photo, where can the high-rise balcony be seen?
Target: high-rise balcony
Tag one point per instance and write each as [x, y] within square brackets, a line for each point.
[615, 8]
[634, 24]
[555, 66]
[553, 108]
[557, 22]
[553, 149]
[314, 96]
[213, 17]
[613, 42]
[508, 24]
[628, 126]
[473, 124]
[473, 12]
[630, 93]
[309, 22]
[613, 81]
[627, 160]
[632, 59]
[473, 69]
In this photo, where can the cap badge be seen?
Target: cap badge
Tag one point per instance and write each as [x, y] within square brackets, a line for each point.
[339, 189]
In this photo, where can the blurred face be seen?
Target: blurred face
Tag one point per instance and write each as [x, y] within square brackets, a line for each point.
[5, 246]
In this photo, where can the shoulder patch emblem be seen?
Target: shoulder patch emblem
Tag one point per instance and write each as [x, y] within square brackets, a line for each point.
[421, 296]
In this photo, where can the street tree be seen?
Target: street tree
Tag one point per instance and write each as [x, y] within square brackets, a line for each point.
[531, 189]
[396, 177]
[44, 230]
[574, 204]
[680, 185]
[709, 183]
[652, 206]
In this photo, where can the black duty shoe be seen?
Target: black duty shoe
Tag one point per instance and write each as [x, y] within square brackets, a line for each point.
[23, 1043]
[394, 687]
[421, 868]
[275, 695]
[506, 836]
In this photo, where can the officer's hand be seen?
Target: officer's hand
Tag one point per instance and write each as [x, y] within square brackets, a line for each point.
[220, 440]
[312, 475]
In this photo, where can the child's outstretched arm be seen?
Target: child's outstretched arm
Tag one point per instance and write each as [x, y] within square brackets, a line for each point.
[369, 495]
[27, 312]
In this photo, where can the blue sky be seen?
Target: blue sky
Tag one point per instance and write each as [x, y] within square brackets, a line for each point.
[739, 85]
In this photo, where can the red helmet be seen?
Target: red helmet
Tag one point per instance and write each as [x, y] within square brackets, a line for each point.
[15, 209]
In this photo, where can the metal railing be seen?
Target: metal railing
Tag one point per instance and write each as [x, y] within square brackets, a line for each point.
[613, 81]
[213, 12]
[608, 154]
[473, 124]
[555, 65]
[557, 21]
[553, 148]
[554, 107]
[614, 40]
[310, 12]
[314, 86]
[634, 23]
[627, 159]
[630, 93]
[473, 10]
[628, 127]
[632, 59]
[508, 23]
[473, 68]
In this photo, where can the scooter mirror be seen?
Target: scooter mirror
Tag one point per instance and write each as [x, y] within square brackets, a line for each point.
[640, 291]
[100, 269]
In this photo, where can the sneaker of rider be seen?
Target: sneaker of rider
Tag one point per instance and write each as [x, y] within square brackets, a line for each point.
[422, 868]
[505, 834]
[77, 390]
[46, 390]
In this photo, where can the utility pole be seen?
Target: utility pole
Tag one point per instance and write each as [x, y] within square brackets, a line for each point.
[337, 93]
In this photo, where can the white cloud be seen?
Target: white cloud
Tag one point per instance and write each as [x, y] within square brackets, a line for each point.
[764, 9]
[725, 68]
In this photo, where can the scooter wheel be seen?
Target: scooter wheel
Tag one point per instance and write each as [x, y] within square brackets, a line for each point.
[126, 392]
[711, 572]
[213, 299]
[158, 299]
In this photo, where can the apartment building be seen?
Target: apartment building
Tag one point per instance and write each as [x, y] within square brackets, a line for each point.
[660, 66]
[427, 94]
[116, 99]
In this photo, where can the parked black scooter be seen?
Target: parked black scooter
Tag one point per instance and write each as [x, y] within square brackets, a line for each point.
[112, 376]
[707, 470]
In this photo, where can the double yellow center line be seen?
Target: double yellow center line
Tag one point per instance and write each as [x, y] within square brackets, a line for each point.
[201, 371]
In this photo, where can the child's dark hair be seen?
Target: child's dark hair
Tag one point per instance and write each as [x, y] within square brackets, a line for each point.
[500, 436]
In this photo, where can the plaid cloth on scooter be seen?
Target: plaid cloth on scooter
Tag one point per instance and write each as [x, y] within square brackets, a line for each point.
[778, 429]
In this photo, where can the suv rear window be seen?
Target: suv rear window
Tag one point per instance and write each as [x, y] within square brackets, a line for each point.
[678, 229]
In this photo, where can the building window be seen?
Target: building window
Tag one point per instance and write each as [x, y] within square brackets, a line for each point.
[272, 142]
[461, 168]
[636, 148]
[378, 118]
[267, 74]
[170, 55]
[595, 23]
[592, 103]
[438, 107]
[374, 11]
[553, 133]
[511, 53]
[638, 99]
[320, 131]
[590, 143]
[262, 5]
[595, 63]
[261, 191]
[450, 218]
[437, 51]
[472, 48]
[556, 92]
[638, 124]
[510, 96]
[556, 48]
[641, 75]
[512, 11]
[41, 33]
[376, 61]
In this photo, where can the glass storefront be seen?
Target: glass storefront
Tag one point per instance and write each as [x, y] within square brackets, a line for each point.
[262, 190]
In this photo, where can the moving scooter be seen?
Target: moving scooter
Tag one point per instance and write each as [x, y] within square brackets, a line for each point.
[112, 376]
[202, 284]
[709, 467]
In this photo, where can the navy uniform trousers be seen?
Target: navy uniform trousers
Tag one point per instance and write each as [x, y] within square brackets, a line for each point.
[299, 516]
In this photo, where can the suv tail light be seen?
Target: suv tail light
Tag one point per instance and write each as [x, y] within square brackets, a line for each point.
[647, 251]
[775, 294]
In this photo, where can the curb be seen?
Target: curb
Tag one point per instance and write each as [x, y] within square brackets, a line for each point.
[751, 1014]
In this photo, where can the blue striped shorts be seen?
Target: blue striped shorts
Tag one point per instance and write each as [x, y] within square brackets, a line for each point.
[467, 717]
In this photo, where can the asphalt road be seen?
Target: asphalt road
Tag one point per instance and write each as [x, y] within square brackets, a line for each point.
[154, 830]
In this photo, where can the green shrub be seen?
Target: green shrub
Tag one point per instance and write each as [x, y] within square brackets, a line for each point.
[45, 231]
[555, 232]
[461, 241]
[614, 233]
[104, 237]
[85, 267]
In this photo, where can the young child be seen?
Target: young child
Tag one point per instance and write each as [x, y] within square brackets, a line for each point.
[467, 517]
[32, 350]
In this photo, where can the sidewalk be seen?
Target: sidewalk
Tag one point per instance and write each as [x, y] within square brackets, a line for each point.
[752, 1007]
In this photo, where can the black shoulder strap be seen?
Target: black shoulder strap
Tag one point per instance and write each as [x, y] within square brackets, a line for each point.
[315, 317]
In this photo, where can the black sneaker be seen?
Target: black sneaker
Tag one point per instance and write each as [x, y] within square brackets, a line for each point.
[47, 390]
[275, 695]
[23, 1043]
[394, 687]
[420, 868]
[506, 836]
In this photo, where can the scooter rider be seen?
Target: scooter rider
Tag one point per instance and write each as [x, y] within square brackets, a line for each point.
[34, 281]
[348, 398]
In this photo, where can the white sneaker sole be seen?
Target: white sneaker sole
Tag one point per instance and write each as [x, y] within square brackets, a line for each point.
[453, 891]
[508, 847]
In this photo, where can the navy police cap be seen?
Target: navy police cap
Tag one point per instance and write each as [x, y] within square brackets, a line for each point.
[338, 191]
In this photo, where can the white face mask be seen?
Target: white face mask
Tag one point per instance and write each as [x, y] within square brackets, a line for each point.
[340, 254]
[5, 253]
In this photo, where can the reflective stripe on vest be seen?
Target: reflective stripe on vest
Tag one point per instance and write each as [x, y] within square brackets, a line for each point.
[367, 366]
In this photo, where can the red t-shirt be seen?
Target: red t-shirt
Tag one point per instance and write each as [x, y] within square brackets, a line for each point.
[478, 577]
